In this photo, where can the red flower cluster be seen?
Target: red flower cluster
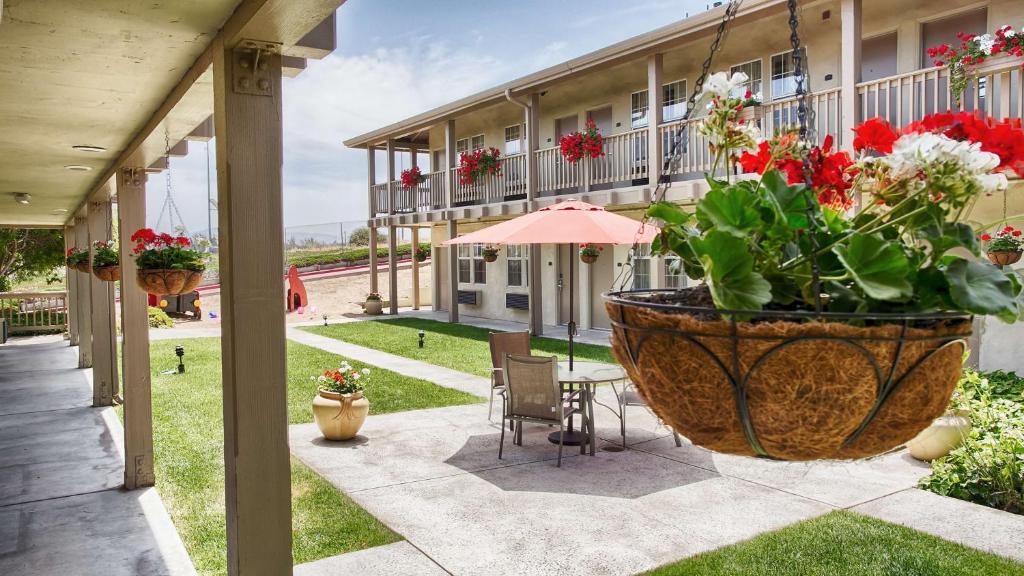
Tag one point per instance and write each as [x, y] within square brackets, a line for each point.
[339, 376]
[830, 175]
[968, 53]
[1004, 139]
[479, 163]
[578, 145]
[147, 239]
[70, 252]
[1007, 231]
[412, 177]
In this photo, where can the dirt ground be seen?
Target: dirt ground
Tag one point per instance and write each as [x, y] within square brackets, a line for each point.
[337, 296]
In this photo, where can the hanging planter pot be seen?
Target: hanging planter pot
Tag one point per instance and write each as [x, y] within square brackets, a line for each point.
[168, 282]
[1004, 257]
[589, 253]
[108, 273]
[490, 254]
[588, 258]
[82, 267]
[788, 385]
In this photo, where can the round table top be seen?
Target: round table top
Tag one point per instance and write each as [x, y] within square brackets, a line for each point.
[586, 371]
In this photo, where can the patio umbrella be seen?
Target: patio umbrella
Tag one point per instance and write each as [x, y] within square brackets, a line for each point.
[570, 222]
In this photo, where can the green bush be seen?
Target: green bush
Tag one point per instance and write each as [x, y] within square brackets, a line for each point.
[159, 319]
[347, 256]
[988, 468]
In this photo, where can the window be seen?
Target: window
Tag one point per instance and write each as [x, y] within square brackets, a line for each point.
[638, 109]
[472, 267]
[784, 74]
[753, 71]
[461, 147]
[673, 100]
[673, 272]
[477, 142]
[642, 267]
[513, 139]
[518, 265]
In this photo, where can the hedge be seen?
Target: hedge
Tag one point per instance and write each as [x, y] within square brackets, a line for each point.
[347, 257]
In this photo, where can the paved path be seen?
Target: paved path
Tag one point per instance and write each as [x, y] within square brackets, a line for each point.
[62, 509]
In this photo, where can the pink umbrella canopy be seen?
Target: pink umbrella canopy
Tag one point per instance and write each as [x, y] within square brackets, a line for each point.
[569, 222]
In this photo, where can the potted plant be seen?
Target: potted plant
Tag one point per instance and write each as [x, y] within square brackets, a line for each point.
[479, 163]
[819, 332]
[490, 253]
[339, 408]
[968, 59]
[166, 264]
[374, 304]
[77, 259]
[1005, 247]
[588, 143]
[589, 253]
[106, 264]
[412, 177]
[422, 253]
[749, 107]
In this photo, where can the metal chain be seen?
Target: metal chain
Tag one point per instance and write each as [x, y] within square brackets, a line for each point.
[678, 139]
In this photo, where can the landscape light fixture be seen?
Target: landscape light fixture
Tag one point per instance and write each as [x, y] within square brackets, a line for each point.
[421, 334]
[22, 197]
[325, 319]
[179, 351]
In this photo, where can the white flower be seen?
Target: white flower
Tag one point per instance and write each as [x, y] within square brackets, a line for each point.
[992, 183]
[985, 43]
[366, 371]
[1009, 33]
[721, 85]
[356, 376]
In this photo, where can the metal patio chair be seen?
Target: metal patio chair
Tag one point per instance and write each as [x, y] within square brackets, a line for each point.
[503, 343]
[533, 394]
[630, 397]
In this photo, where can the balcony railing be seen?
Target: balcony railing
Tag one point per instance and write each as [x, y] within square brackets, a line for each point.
[34, 311]
[901, 99]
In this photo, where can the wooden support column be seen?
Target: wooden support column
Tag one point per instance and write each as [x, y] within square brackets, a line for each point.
[655, 106]
[71, 300]
[104, 332]
[371, 180]
[450, 164]
[247, 113]
[850, 44]
[415, 268]
[392, 269]
[532, 145]
[436, 276]
[453, 274]
[138, 394]
[392, 189]
[83, 300]
[374, 284]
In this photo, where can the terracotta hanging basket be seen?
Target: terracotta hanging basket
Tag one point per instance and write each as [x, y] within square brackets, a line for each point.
[108, 273]
[168, 282]
[588, 258]
[82, 267]
[1004, 257]
[788, 385]
[490, 257]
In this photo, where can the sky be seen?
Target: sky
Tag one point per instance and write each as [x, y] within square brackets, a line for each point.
[395, 59]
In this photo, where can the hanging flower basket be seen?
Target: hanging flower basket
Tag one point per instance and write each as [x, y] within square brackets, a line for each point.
[168, 282]
[1005, 247]
[82, 267]
[412, 177]
[490, 254]
[749, 108]
[77, 259]
[478, 164]
[579, 145]
[589, 253]
[1004, 257]
[108, 273]
[422, 254]
[167, 265]
[788, 385]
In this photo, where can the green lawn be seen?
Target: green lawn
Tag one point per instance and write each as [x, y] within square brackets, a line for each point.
[843, 544]
[189, 452]
[455, 346]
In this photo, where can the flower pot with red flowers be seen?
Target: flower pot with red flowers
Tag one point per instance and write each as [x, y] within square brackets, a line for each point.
[588, 143]
[589, 253]
[820, 333]
[490, 253]
[422, 253]
[167, 265]
[478, 164]
[106, 262]
[340, 408]
[374, 304]
[1005, 247]
[412, 177]
[77, 259]
[977, 55]
[748, 108]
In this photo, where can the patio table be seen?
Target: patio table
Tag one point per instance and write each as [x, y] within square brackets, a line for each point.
[585, 375]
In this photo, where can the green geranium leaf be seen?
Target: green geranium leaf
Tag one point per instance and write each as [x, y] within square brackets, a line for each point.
[788, 201]
[878, 267]
[729, 268]
[669, 213]
[981, 288]
[732, 210]
[951, 235]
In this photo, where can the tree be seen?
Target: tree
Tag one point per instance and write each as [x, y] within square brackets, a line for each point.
[27, 252]
[361, 237]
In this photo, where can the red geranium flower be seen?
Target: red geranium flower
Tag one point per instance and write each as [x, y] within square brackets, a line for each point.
[875, 134]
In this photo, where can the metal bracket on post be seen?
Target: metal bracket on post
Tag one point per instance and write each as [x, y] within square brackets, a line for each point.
[135, 176]
[250, 68]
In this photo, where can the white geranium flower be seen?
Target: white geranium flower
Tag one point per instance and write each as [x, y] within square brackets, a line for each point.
[721, 85]
[992, 183]
[985, 43]
[1009, 32]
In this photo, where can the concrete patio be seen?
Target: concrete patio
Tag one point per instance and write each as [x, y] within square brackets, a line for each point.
[62, 506]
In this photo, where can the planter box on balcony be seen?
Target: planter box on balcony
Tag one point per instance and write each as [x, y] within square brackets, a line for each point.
[998, 64]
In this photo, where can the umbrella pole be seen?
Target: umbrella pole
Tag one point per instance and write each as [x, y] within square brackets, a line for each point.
[572, 304]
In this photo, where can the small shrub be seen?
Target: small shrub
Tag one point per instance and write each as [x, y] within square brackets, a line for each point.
[988, 468]
[159, 319]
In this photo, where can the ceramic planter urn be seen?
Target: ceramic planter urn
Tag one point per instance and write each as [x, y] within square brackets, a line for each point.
[340, 416]
[937, 440]
[373, 307]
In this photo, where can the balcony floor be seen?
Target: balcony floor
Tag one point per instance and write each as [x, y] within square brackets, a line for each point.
[62, 508]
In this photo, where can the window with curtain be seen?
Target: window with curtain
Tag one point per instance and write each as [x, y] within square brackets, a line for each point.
[461, 147]
[642, 267]
[673, 100]
[753, 71]
[479, 265]
[638, 109]
[673, 272]
[477, 143]
[513, 139]
[517, 264]
[784, 75]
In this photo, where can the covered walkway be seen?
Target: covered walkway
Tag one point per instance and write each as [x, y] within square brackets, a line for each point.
[63, 509]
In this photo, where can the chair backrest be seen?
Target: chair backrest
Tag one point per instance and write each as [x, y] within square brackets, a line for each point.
[503, 343]
[532, 386]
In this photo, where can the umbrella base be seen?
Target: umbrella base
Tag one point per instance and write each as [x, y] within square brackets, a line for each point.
[571, 438]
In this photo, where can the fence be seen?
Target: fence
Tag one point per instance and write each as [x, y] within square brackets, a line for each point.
[27, 312]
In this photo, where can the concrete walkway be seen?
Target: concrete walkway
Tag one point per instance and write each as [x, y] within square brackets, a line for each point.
[62, 509]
